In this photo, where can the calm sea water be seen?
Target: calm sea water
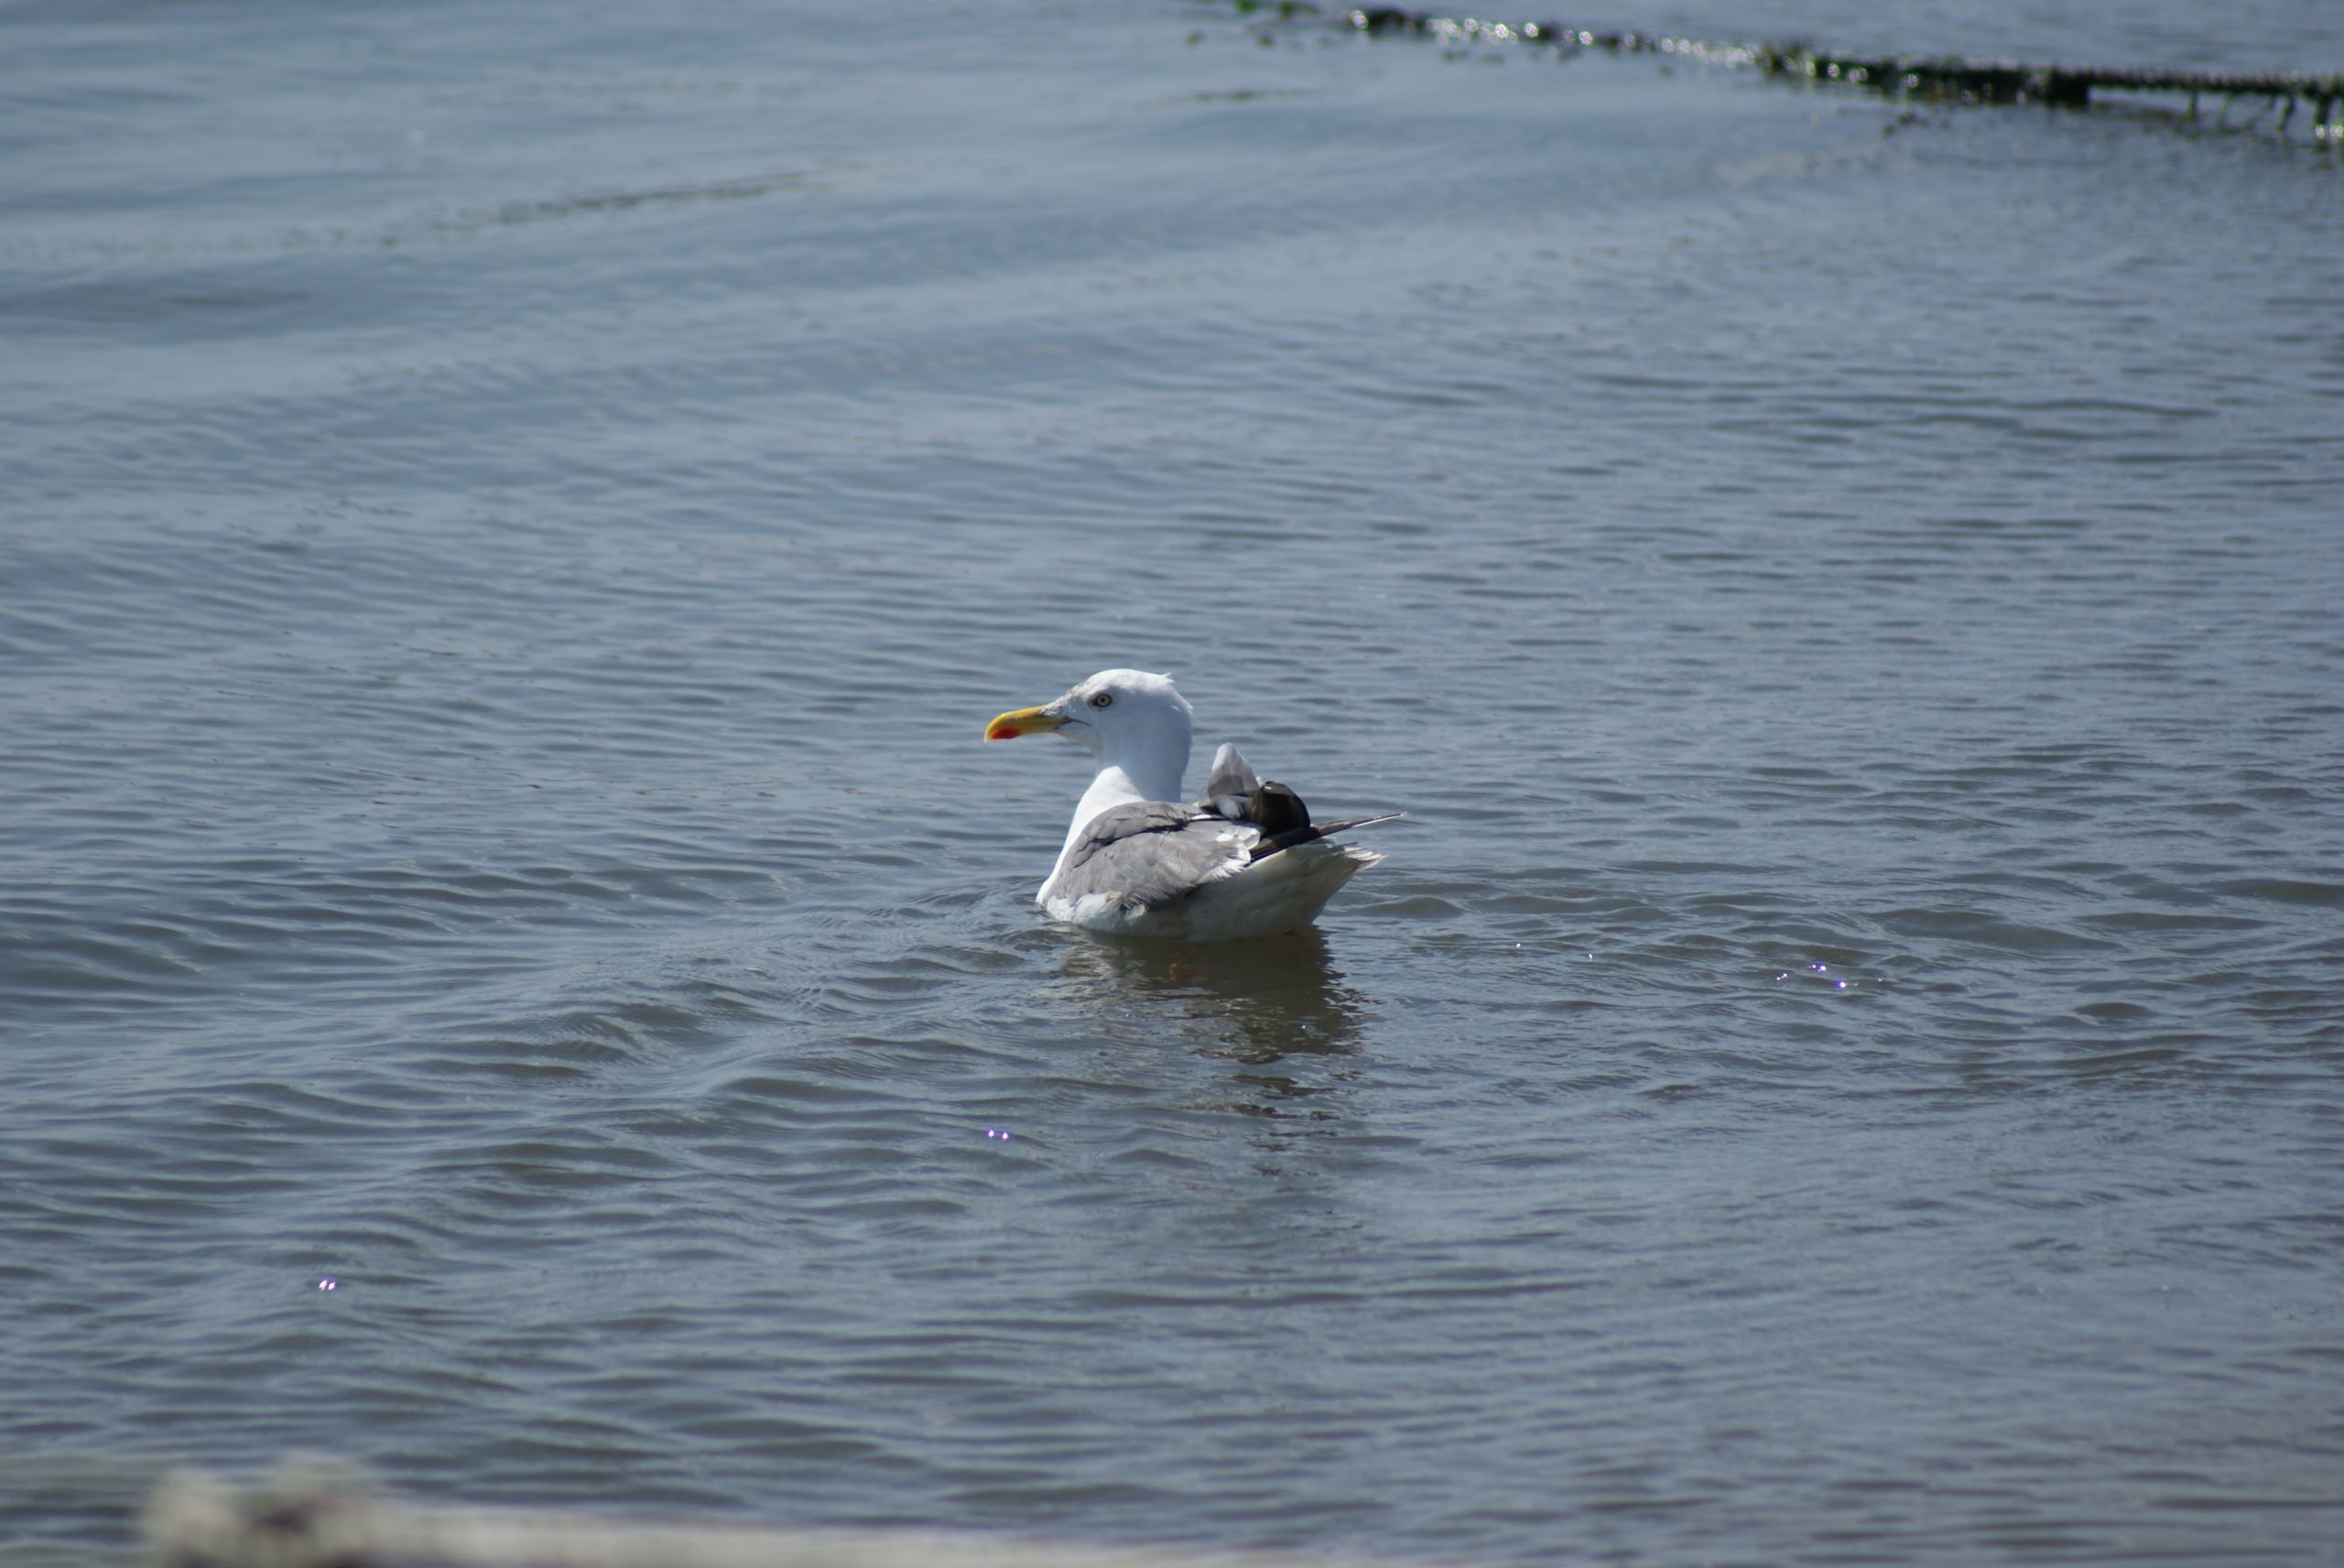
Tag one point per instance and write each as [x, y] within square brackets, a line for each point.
[515, 518]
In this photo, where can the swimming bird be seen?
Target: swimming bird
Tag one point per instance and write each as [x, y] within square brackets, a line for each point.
[1243, 861]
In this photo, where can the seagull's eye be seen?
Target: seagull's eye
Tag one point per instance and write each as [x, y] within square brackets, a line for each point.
[1103, 699]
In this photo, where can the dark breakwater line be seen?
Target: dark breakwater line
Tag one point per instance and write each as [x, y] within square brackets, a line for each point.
[1941, 79]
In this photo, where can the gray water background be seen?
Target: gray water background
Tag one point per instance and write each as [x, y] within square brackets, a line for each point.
[515, 517]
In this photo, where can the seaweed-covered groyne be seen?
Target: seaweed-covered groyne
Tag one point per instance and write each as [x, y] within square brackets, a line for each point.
[1930, 78]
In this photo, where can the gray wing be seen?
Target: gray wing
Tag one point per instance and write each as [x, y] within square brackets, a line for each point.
[1150, 854]
[1229, 784]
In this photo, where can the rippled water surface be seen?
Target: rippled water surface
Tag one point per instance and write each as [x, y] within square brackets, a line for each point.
[516, 517]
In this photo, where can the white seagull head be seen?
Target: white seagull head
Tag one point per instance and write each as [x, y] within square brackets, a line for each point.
[1123, 717]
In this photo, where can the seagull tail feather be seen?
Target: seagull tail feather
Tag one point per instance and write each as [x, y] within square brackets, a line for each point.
[1313, 830]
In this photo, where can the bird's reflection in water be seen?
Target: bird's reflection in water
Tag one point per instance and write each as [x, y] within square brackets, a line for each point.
[1256, 1003]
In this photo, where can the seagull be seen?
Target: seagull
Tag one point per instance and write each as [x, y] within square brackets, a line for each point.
[1243, 861]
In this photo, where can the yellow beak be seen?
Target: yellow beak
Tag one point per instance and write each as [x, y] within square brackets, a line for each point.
[1023, 722]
